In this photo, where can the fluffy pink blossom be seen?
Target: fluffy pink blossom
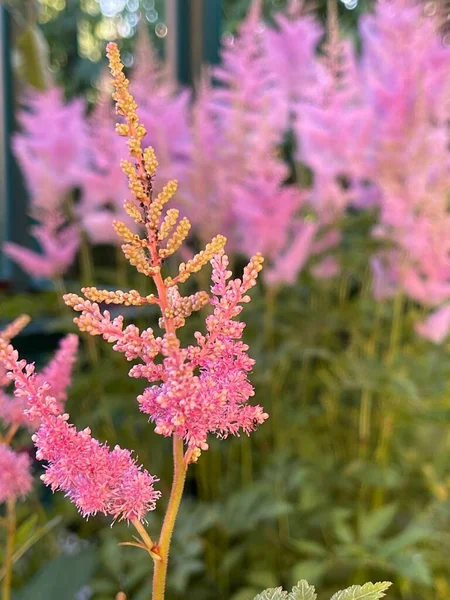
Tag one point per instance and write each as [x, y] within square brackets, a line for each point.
[102, 181]
[59, 249]
[94, 477]
[188, 403]
[15, 477]
[326, 268]
[51, 147]
[289, 263]
[437, 326]
[291, 53]
[57, 374]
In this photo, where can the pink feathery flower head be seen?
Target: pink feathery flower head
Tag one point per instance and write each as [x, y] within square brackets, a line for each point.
[436, 327]
[59, 249]
[57, 374]
[15, 476]
[103, 183]
[188, 404]
[291, 261]
[291, 50]
[95, 478]
[51, 147]
[265, 210]
[215, 401]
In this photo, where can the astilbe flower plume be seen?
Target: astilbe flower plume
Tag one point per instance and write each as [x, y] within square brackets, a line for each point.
[51, 150]
[15, 476]
[57, 374]
[15, 467]
[203, 388]
[94, 477]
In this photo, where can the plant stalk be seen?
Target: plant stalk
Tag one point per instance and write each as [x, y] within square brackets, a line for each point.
[179, 477]
[10, 540]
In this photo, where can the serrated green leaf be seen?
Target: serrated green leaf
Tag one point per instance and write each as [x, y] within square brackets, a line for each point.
[376, 522]
[368, 591]
[303, 591]
[272, 594]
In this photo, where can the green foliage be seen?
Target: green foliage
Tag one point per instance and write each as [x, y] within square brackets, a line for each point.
[368, 591]
[304, 591]
[62, 578]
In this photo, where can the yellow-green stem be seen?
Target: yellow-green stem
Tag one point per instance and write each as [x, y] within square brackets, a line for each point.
[179, 477]
[9, 551]
[388, 418]
[364, 422]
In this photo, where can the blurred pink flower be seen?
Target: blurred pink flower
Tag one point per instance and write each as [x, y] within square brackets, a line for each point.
[291, 261]
[51, 147]
[59, 251]
[437, 326]
[15, 476]
[57, 374]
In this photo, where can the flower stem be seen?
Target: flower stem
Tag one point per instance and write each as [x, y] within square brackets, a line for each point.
[179, 477]
[10, 540]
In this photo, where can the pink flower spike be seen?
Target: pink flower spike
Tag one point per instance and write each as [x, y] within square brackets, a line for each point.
[95, 478]
[59, 250]
[192, 406]
[437, 326]
[15, 476]
[59, 370]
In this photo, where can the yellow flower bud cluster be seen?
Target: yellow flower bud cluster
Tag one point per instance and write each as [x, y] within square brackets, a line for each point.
[147, 255]
[138, 258]
[125, 104]
[135, 184]
[168, 223]
[198, 261]
[150, 162]
[182, 307]
[158, 203]
[131, 298]
[176, 239]
[125, 233]
[15, 327]
[252, 269]
[134, 212]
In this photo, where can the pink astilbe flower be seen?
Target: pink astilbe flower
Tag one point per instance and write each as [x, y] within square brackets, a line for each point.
[51, 147]
[290, 49]
[103, 183]
[189, 405]
[164, 109]
[15, 476]
[290, 262]
[57, 374]
[94, 477]
[266, 211]
[436, 327]
[249, 102]
[192, 406]
[407, 85]
[59, 248]
[206, 196]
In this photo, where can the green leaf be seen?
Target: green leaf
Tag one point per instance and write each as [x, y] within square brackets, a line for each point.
[60, 579]
[368, 591]
[376, 522]
[303, 591]
[309, 548]
[272, 594]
